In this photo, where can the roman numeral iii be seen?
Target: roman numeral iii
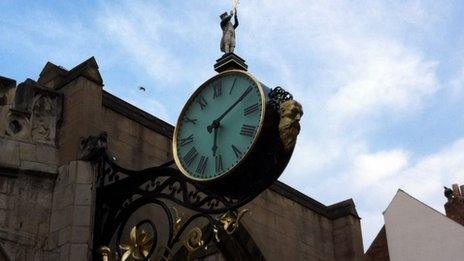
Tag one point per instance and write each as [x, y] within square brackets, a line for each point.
[248, 130]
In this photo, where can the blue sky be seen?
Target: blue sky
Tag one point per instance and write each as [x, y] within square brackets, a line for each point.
[381, 83]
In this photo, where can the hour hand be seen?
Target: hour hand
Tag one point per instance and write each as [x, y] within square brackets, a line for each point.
[214, 148]
[213, 125]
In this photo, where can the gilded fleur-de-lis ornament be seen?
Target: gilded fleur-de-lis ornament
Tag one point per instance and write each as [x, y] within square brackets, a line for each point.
[231, 220]
[138, 246]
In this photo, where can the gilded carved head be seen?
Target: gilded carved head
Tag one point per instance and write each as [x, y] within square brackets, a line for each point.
[289, 125]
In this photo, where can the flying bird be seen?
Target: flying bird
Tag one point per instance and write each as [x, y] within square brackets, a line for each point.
[142, 88]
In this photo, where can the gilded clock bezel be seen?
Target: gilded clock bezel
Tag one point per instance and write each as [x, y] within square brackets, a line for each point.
[191, 100]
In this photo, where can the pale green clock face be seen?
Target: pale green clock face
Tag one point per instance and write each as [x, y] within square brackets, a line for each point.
[219, 125]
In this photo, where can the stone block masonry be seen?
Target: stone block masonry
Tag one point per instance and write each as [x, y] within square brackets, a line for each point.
[71, 214]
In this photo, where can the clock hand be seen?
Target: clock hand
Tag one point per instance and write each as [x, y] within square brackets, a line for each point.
[214, 148]
[218, 120]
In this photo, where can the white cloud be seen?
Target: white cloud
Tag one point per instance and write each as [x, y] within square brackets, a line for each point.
[457, 86]
[169, 47]
[353, 66]
[378, 175]
[369, 169]
[384, 77]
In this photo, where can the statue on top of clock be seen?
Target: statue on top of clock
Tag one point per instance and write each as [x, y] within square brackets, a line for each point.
[228, 31]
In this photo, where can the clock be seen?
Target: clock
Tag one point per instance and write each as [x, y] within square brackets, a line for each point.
[219, 125]
[227, 137]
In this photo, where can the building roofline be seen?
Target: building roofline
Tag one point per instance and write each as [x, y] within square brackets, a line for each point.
[340, 209]
[138, 115]
[87, 69]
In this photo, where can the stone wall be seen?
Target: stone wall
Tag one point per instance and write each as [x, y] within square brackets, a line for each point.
[71, 221]
[133, 145]
[25, 203]
[285, 229]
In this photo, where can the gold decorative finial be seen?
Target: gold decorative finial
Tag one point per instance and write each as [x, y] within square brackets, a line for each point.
[138, 246]
[104, 252]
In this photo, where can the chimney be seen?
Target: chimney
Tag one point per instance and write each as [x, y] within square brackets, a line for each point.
[455, 206]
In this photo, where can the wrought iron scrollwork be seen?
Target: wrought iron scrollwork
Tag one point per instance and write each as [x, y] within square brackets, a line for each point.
[278, 95]
[121, 192]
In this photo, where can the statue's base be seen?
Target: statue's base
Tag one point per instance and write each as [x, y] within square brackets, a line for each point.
[230, 61]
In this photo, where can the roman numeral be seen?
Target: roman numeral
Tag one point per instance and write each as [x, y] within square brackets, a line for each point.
[247, 130]
[187, 119]
[201, 167]
[233, 84]
[201, 100]
[219, 166]
[190, 156]
[237, 152]
[251, 109]
[217, 86]
[187, 140]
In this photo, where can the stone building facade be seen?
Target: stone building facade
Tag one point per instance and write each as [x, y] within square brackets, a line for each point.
[47, 193]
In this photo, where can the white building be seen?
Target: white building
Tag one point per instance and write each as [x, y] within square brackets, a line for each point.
[415, 231]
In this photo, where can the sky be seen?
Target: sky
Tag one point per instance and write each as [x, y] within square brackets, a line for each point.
[381, 82]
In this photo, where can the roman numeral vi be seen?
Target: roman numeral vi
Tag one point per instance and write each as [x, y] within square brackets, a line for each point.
[219, 166]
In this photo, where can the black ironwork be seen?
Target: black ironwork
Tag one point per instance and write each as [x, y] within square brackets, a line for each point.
[279, 95]
[121, 192]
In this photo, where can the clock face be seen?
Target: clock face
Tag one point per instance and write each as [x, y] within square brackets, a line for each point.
[219, 125]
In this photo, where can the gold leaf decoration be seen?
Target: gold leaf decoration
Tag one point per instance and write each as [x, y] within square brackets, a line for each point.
[230, 220]
[193, 239]
[138, 246]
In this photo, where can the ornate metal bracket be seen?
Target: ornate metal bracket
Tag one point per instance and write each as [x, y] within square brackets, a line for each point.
[278, 95]
[121, 192]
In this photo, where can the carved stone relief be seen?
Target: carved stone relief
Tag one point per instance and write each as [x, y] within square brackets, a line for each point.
[6, 100]
[18, 125]
[31, 112]
[44, 118]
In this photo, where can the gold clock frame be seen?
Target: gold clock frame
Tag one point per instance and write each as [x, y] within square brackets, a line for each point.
[191, 100]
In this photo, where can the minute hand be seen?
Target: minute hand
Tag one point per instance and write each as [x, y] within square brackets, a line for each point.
[245, 93]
